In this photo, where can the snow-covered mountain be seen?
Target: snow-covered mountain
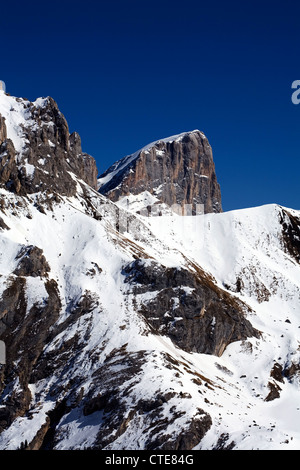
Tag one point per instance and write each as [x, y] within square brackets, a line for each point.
[128, 330]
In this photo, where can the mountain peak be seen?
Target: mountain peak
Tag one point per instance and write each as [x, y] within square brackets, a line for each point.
[37, 151]
[140, 333]
[176, 170]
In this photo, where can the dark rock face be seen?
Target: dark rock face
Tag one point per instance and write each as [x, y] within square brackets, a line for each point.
[3, 134]
[32, 262]
[291, 234]
[189, 307]
[49, 156]
[179, 171]
[30, 325]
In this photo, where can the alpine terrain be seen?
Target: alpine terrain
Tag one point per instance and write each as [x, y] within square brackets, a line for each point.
[135, 314]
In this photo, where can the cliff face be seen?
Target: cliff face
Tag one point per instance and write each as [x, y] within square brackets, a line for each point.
[176, 170]
[199, 304]
[37, 152]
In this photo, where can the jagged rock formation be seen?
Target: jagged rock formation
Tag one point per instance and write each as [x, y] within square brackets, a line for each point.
[38, 153]
[176, 170]
[189, 308]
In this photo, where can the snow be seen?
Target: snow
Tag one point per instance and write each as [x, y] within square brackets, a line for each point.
[80, 431]
[29, 169]
[137, 202]
[227, 242]
[145, 204]
[246, 243]
[21, 431]
[41, 102]
[16, 117]
[17, 114]
[239, 243]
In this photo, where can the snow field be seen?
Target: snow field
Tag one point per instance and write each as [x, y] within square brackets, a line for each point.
[76, 245]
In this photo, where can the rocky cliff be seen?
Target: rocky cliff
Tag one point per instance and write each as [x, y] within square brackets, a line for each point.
[37, 152]
[176, 170]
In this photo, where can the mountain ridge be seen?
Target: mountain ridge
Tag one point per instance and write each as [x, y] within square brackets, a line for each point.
[127, 331]
[34, 143]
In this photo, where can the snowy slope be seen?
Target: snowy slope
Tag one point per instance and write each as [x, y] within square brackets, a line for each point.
[247, 245]
[231, 389]
[17, 118]
[86, 258]
[86, 369]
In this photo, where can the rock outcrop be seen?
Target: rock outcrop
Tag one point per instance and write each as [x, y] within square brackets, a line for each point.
[189, 307]
[47, 156]
[176, 170]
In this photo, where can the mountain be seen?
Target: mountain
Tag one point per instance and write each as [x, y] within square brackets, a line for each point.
[177, 170]
[37, 151]
[131, 331]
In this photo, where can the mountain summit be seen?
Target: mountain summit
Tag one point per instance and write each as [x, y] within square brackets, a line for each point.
[174, 170]
[130, 332]
[37, 151]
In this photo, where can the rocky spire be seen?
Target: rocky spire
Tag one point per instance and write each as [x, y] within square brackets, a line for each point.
[177, 170]
[37, 152]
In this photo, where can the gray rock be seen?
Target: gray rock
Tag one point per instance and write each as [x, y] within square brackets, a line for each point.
[3, 134]
[51, 153]
[179, 171]
[32, 262]
[30, 325]
[290, 234]
[189, 308]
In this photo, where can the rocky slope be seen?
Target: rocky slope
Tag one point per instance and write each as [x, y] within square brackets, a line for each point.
[178, 170]
[131, 332]
[37, 152]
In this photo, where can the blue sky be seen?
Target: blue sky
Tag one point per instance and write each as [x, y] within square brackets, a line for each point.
[126, 73]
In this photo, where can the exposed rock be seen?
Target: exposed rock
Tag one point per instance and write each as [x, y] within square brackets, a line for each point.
[3, 134]
[12, 304]
[32, 262]
[39, 438]
[189, 308]
[188, 438]
[224, 443]
[177, 170]
[31, 328]
[3, 225]
[117, 416]
[277, 372]
[49, 155]
[291, 233]
[274, 391]
[8, 166]
[292, 371]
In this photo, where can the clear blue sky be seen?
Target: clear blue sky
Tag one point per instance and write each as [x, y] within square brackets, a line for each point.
[125, 73]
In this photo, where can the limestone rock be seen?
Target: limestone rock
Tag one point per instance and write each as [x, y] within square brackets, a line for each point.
[32, 262]
[49, 155]
[189, 308]
[177, 170]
